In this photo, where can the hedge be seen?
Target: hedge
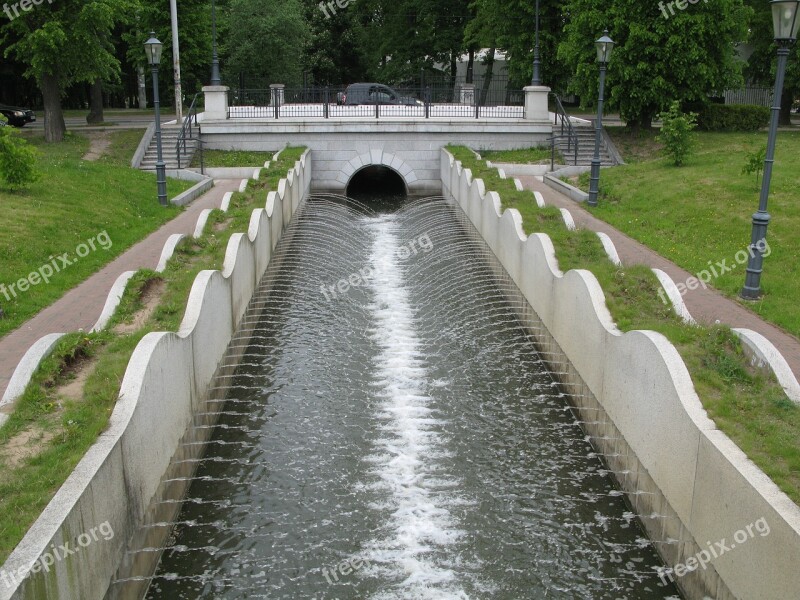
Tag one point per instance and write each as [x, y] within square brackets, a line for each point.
[733, 117]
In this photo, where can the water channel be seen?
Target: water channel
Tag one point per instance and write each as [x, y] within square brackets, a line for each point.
[393, 433]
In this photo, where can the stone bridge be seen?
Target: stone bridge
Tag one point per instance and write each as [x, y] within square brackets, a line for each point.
[343, 147]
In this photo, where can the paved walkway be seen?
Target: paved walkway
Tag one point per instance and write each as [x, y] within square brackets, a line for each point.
[706, 306]
[81, 306]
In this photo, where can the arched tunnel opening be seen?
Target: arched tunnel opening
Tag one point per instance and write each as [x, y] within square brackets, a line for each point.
[377, 185]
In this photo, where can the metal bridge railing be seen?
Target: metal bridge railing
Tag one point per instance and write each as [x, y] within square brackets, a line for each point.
[410, 102]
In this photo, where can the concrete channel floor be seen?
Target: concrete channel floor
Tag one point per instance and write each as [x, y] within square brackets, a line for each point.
[707, 306]
[80, 307]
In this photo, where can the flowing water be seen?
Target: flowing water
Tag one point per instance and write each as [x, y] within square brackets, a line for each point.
[392, 433]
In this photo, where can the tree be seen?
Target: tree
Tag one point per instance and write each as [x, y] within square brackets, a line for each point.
[95, 103]
[676, 133]
[409, 36]
[657, 59]
[266, 40]
[195, 42]
[762, 62]
[65, 43]
[335, 50]
[511, 26]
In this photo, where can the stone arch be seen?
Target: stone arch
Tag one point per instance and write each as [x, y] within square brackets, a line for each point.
[378, 157]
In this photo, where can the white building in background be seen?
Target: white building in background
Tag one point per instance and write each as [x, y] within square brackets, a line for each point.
[499, 83]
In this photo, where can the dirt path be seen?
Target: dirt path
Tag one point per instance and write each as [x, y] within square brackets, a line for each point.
[99, 141]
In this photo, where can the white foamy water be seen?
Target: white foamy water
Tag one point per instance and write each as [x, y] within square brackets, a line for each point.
[412, 550]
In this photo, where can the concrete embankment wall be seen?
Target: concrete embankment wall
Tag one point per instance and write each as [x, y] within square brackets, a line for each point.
[166, 381]
[692, 487]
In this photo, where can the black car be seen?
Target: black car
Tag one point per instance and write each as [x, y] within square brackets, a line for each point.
[17, 116]
[374, 93]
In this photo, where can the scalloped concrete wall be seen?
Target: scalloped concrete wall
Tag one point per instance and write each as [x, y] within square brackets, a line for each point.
[166, 380]
[641, 408]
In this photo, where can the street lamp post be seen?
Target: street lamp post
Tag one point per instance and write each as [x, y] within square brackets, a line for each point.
[604, 46]
[215, 78]
[786, 22]
[537, 79]
[153, 48]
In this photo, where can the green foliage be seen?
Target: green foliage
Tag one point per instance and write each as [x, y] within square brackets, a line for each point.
[266, 39]
[511, 25]
[676, 133]
[68, 39]
[194, 30]
[761, 64]
[683, 57]
[337, 50]
[17, 160]
[733, 117]
[755, 162]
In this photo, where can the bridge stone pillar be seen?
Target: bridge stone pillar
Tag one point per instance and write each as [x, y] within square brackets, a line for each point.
[216, 102]
[278, 93]
[467, 95]
[536, 103]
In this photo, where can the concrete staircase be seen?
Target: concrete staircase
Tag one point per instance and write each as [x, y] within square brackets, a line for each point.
[169, 140]
[586, 133]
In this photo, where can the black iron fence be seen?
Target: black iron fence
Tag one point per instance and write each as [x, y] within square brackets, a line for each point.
[430, 102]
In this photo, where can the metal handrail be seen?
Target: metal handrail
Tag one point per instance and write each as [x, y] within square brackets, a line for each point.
[561, 115]
[552, 141]
[187, 128]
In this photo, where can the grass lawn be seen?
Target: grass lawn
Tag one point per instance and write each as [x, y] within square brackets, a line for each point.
[124, 143]
[232, 158]
[700, 214]
[67, 427]
[538, 155]
[74, 201]
[752, 409]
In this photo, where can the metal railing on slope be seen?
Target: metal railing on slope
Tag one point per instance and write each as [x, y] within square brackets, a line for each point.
[190, 126]
[562, 118]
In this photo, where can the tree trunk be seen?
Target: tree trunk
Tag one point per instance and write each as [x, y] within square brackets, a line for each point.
[54, 126]
[453, 74]
[487, 77]
[471, 66]
[142, 87]
[95, 103]
[786, 108]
